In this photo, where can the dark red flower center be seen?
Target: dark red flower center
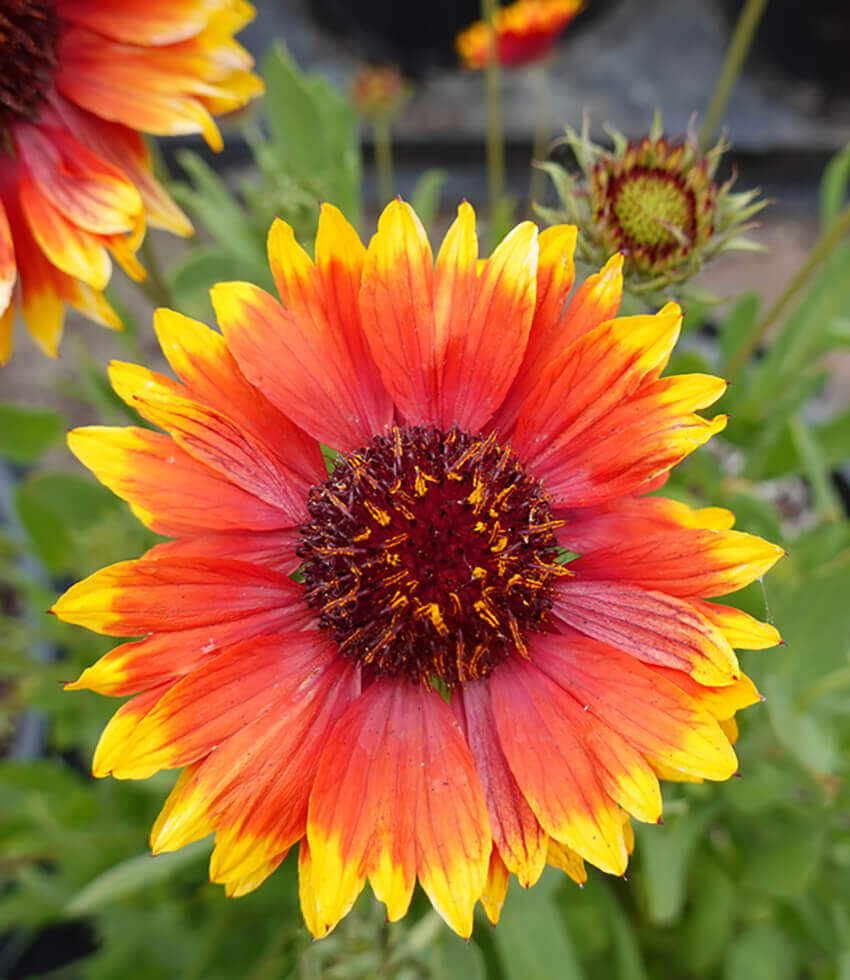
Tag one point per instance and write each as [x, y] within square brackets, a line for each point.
[29, 33]
[430, 554]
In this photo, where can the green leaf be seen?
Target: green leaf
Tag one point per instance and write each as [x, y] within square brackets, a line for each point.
[531, 937]
[761, 953]
[833, 187]
[27, 433]
[787, 866]
[132, 876]
[54, 507]
[665, 853]
[712, 920]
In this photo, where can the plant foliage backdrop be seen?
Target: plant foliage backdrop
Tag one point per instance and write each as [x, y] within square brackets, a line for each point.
[747, 880]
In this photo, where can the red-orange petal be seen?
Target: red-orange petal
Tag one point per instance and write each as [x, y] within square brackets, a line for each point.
[517, 833]
[132, 598]
[397, 309]
[169, 490]
[631, 518]
[588, 380]
[559, 778]
[655, 716]
[690, 563]
[274, 549]
[295, 366]
[203, 710]
[8, 269]
[654, 627]
[397, 797]
[212, 436]
[168, 656]
[485, 338]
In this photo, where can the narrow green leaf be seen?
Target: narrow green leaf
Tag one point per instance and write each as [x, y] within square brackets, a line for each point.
[131, 876]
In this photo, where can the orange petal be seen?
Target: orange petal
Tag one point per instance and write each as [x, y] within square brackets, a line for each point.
[594, 375]
[565, 859]
[76, 252]
[168, 489]
[153, 22]
[496, 888]
[260, 782]
[629, 518]
[200, 358]
[214, 438]
[654, 627]
[132, 598]
[658, 718]
[264, 678]
[517, 833]
[720, 702]
[690, 563]
[397, 307]
[547, 338]
[141, 664]
[294, 366]
[397, 796]
[743, 631]
[274, 549]
[483, 354]
[559, 778]
[8, 271]
[121, 726]
[87, 190]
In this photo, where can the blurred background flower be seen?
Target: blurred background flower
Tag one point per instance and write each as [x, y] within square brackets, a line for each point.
[79, 81]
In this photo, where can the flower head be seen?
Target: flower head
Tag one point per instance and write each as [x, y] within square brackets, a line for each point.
[445, 692]
[526, 31]
[80, 80]
[656, 201]
[379, 92]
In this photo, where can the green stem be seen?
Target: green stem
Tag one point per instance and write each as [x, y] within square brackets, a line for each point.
[542, 130]
[382, 132]
[821, 250]
[155, 287]
[495, 136]
[739, 48]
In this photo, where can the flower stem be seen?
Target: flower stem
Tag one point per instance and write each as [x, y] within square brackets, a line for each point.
[382, 133]
[820, 251]
[736, 55]
[495, 136]
[542, 130]
[155, 287]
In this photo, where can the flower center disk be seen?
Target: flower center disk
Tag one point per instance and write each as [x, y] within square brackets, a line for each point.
[29, 33]
[655, 211]
[430, 553]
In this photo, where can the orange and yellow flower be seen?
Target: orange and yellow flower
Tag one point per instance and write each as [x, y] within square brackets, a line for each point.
[444, 693]
[526, 31]
[81, 79]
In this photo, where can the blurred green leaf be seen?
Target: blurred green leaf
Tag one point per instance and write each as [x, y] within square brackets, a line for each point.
[785, 867]
[26, 433]
[54, 506]
[833, 188]
[665, 854]
[761, 953]
[132, 876]
[531, 937]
